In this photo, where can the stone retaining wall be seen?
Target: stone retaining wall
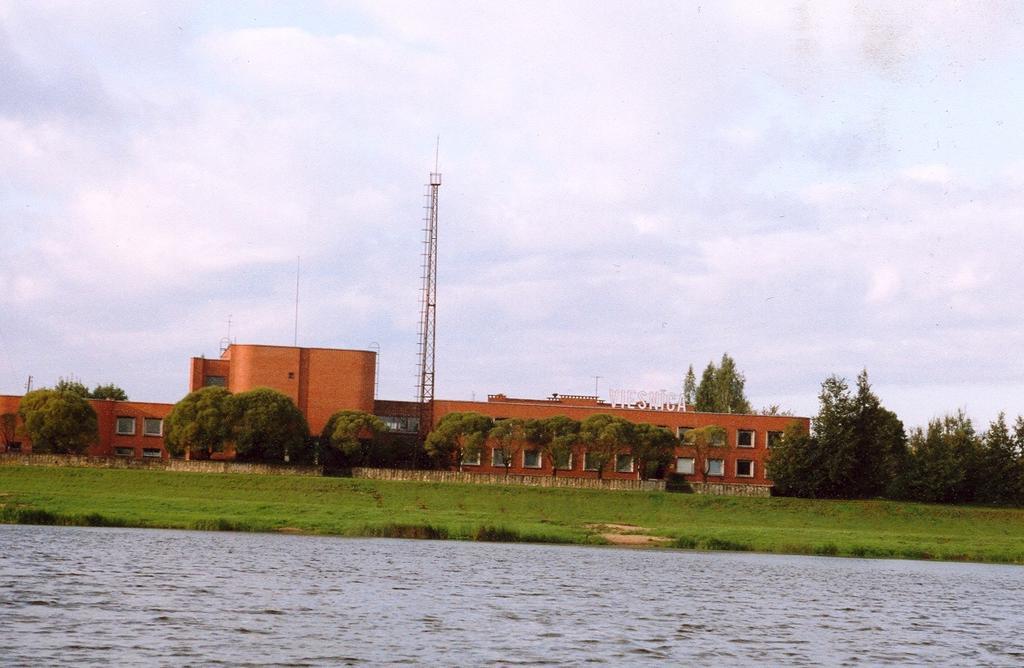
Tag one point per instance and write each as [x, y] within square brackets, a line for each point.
[730, 489]
[208, 466]
[181, 465]
[500, 479]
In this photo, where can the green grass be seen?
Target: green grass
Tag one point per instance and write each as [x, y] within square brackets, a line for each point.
[350, 507]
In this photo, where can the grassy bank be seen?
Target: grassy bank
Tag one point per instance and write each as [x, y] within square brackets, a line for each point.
[347, 507]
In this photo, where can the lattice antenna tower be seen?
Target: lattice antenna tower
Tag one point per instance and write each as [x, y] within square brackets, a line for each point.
[428, 301]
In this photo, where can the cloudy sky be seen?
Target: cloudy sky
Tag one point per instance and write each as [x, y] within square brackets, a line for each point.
[629, 188]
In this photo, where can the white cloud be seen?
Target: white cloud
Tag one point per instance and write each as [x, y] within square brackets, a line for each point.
[626, 191]
[929, 174]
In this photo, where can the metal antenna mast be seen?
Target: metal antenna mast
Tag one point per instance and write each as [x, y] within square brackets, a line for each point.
[428, 301]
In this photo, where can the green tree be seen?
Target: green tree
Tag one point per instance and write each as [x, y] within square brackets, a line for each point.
[721, 388]
[507, 440]
[8, 429]
[199, 424]
[352, 435]
[72, 386]
[108, 391]
[707, 443]
[729, 384]
[267, 427]
[835, 438]
[879, 445]
[689, 397]
[458, 436]
[652, 449]
[1001, 462]
[795, 463]
[943, 462]
[706, 395]
[560, 436]
[605, 436]
[61, 422]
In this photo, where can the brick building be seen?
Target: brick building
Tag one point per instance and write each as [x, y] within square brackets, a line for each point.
[322, 381]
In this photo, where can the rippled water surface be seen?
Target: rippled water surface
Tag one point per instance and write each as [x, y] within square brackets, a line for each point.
[82, 596]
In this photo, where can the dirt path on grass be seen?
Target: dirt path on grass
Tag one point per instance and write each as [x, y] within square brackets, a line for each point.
[627, 534]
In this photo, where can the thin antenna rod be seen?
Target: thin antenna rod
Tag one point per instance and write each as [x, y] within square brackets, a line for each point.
[437, 154]
[298, 262]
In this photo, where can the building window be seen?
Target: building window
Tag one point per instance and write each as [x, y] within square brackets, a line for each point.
[152, 427]
[682, 431]
[716, 467]
[774, 438]
[218, 381]
[153, 453]
[745, 438]
[531, 459]
[125, 426]
[497, 457]
[624, 463]
[402, 424]
[718, 439]
[124, 452]
[744, 468]
[684, 465]
[471, 460]
[14, 447]
[589, 463]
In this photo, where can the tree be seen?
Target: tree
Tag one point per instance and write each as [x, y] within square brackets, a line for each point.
[200, 423]
[1002, 464]
[60, 422]
[721, 388]
[352, 436]
[879, 445]
[652, 448]
[705, 442]
[689, 388]
[943, 462]
[267, 426]
[604, 436]
[706, 400]
[835, 438]
[108, 391]
[507, 439]
[558, 437]
[458, 436]
[795, 467]
[729, 383]
[8, 429]
[72, 386]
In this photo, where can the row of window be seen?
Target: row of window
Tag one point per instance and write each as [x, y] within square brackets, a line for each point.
[716, 467]
[150, 426]
[745, 438]
[401, 424]
[127, 451]
[532, 459]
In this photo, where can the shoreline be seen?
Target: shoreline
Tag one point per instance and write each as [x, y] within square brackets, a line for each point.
[349, 507]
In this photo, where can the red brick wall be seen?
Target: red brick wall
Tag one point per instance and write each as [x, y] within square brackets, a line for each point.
[107, 412]
[321, 381]
[731, 422]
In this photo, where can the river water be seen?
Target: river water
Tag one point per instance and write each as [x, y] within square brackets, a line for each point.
[80, 596]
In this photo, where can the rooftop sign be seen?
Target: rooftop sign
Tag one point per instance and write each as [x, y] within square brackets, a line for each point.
[650, 400]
